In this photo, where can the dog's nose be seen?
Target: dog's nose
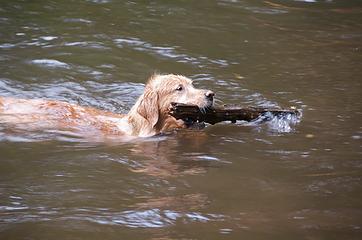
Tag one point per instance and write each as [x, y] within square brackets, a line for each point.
[210, 95]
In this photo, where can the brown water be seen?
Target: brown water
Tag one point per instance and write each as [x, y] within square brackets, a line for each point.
[229, 181]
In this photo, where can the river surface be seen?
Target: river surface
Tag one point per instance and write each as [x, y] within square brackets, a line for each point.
[284, 179]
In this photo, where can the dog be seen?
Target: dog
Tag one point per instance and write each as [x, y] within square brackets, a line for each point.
[148, 117]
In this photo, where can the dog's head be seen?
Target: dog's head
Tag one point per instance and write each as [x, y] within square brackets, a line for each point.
[162, 90]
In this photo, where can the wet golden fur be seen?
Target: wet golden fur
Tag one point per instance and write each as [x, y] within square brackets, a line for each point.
[149, 116]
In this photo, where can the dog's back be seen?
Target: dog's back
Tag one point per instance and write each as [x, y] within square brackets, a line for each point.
[42, 114]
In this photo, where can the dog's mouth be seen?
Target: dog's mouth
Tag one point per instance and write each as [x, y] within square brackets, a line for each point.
[205, 107]
[191, 114]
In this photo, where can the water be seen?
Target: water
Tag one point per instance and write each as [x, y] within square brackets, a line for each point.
[277, 180]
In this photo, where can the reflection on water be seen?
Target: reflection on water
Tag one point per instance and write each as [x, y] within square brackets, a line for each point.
[288, 178]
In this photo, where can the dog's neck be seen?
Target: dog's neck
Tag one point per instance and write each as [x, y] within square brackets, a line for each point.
[142, 127]
[166, 123]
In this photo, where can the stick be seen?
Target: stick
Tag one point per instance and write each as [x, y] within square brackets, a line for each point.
[214, 115]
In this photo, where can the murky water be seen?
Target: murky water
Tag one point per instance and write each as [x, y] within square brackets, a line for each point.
[228, 181]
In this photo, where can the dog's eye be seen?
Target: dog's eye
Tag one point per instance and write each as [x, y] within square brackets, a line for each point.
[179, 88]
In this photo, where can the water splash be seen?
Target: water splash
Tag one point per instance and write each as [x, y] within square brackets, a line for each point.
[283, 123]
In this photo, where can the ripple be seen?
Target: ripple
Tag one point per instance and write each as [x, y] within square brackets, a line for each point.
[169, 52]
[166, 52]
[151, 218]
[208, 158]
[7, 45]
[259, 100]
[266, 10]
[11, 208]
[4, 19]
[86, 44]
[51, 63]
[77, 20]
[253, 9]
[225, 230]
[307, 1]
[147, 218]
[99, 1]
[48, 38]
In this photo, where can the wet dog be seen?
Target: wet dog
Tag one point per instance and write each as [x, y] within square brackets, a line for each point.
[149, 116]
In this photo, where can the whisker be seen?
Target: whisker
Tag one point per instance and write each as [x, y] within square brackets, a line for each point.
[203, 110]
[218, 101]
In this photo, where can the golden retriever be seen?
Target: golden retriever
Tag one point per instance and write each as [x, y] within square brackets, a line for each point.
[149, 116]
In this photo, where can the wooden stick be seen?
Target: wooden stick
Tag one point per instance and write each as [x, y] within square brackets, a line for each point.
[227, 113]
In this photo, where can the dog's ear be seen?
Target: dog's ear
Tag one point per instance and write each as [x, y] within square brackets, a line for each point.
[148, 107]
